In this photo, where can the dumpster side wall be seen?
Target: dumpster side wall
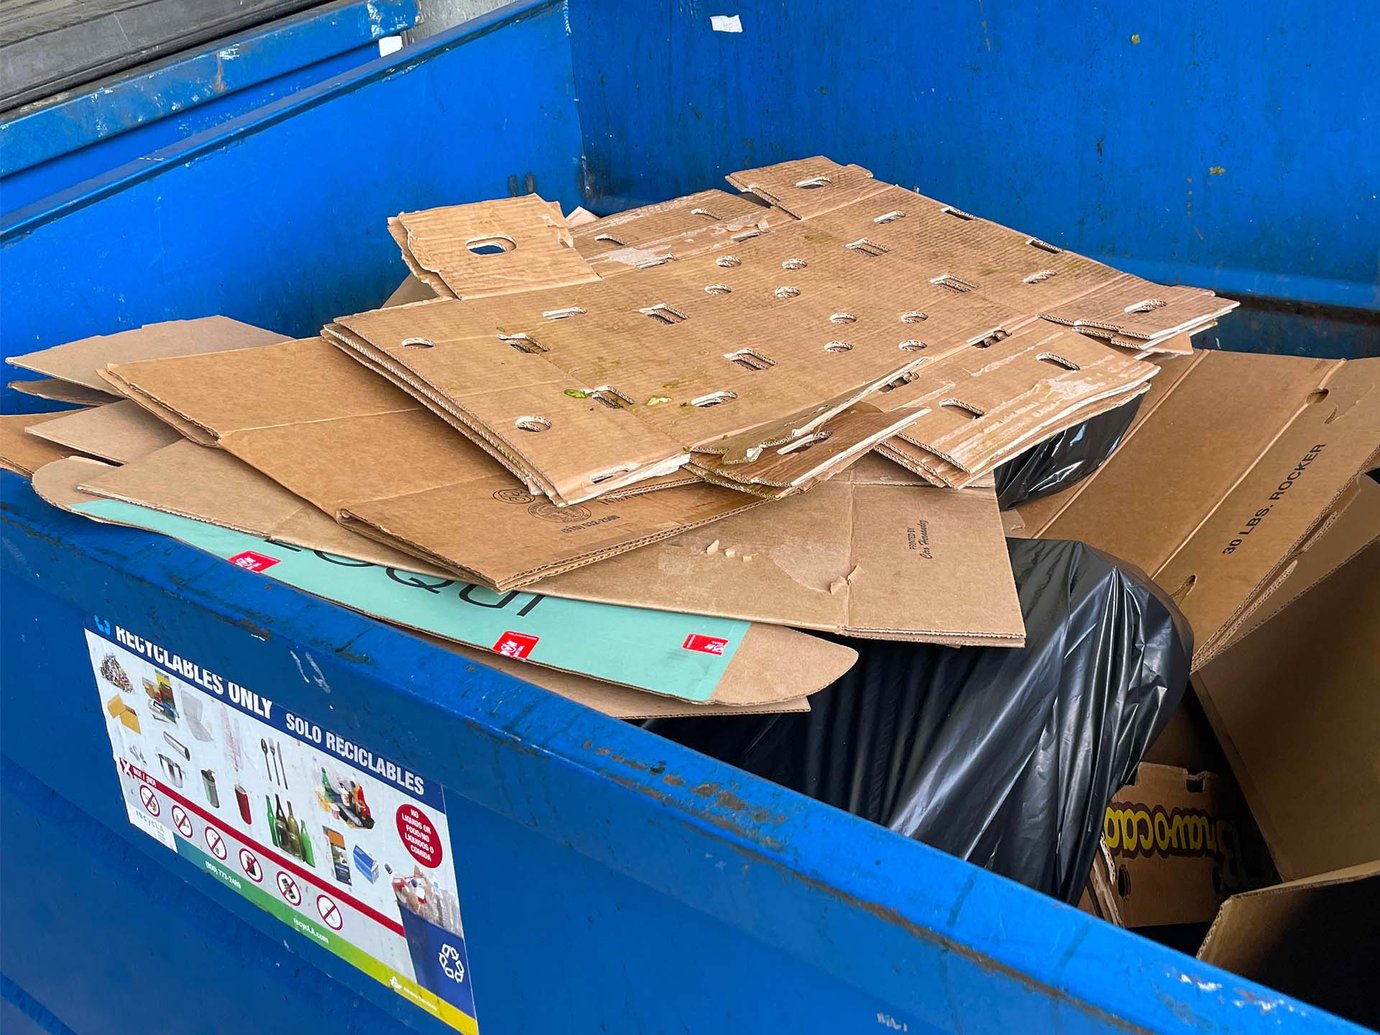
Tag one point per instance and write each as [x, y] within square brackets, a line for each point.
[1232, 146]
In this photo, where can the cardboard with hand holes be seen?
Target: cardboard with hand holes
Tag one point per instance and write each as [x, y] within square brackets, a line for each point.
[58, 483]
[1296, 706]
[1178, 843]
[1225, 478]
[1315, 939]
[22, 452]
[352, 444]
[630, 401]
[695, 658]
[118, 432]
[77, 362]
[872, 553]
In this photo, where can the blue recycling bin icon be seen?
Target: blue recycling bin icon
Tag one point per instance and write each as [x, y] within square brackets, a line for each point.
[438, 959]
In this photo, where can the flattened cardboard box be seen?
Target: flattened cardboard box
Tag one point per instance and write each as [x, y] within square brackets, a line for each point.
[1225, 477]
[56, 390]
[118, 432]
[870, 554]
[77, 362]
[1316, 939]
[695, 659]
[1178, 843]
[662, 395]
[1296, 705]
[327, 429]
[22, 452]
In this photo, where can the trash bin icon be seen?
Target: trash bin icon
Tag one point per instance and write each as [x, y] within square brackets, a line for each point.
[438, 957]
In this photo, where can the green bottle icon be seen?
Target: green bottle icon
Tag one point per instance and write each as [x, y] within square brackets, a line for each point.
[272, 822]
[308, 856]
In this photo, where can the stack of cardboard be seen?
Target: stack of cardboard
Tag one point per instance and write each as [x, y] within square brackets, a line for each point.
[775, 410]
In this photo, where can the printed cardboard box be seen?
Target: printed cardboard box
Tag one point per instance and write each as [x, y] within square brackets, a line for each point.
[1176, 845]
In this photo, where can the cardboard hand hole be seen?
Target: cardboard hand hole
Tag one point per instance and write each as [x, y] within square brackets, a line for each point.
[610, 239]
[865, 247]
[913, 316]
[842, 318]
[1148, 305]
[614, 472]
[837, 346]
[563, 313]
[948, 280]
[1057, 361]
[804, 443]
[727, 262]
[663, 313]
[418, 343]
[523, 343]
[786, 292]
[713, 399]
[1317, 395]
[971, 412]
[703, 212]
[813, 183]
[749, 359]
[1035, 242]
[1040, 277]
[990, 338]
[610, 397]
[532, 423]
[717, 289]
[1181, 594]
[911, 345]
[889, 217]
[957, 213]
[900, 382]
[794, 264]
[496, 245]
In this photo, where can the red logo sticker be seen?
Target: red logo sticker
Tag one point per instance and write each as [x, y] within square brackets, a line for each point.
[705, 644]
[251, 561]
[515, 645]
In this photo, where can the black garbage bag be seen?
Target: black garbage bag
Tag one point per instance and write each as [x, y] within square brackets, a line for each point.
[1064, 460]
[1004, 757]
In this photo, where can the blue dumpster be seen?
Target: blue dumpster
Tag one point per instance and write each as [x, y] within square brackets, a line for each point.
[608, 880]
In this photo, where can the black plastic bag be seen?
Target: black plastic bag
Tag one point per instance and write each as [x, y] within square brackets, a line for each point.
[1004, 757]
[1064, 460]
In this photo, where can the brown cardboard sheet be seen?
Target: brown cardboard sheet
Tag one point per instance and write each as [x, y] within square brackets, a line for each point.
[1316, 939]
[77, 362]
[769, 666]
[1224, 478]
[1179, 843]
[119, 431]
[1296, 706]
[349, 442]
[872, 553]
[22, 452]
[739, 342]
[56, 390]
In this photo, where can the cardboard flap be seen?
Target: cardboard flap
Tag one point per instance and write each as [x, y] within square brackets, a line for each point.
[1315, 939]
[1296, 705]
[490, 247]
[54, 390]
[78, 361]
[118, 432]
[22, 452]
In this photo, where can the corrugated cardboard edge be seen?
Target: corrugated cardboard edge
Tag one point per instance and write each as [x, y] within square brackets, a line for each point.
[56, 483]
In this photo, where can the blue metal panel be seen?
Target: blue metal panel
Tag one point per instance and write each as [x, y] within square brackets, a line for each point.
[91, 131]
[1235, 146]
[609, 880]
[278, 217]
